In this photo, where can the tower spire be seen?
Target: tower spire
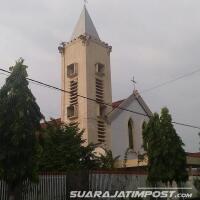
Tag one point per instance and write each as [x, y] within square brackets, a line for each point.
[85, 25]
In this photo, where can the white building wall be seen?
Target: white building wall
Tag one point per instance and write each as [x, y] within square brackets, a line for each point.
[120, 136]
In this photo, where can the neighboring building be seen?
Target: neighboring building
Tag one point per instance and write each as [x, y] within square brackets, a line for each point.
[86, 75]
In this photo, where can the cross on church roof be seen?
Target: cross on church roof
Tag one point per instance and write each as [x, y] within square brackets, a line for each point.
[134, 83]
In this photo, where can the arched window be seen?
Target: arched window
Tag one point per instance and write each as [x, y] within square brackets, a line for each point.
[130, 133]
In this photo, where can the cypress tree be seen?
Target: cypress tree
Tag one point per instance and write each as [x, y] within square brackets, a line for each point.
[19, 122]
[166, 156]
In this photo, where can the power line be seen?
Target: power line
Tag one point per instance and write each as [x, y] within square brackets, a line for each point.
[90, 99]
[187, 125]
[170, 81]
[94, 100]
[29, 80]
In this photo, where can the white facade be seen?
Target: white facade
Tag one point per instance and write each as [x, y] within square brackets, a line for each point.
[119, 126]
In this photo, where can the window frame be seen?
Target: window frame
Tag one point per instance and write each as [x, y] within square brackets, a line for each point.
[75, 111]
[131, 134]
[75, 70]
[100, 72]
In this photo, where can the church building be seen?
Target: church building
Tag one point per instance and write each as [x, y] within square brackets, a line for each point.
[86, 76]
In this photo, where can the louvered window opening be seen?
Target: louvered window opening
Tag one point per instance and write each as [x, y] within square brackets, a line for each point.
[99, 91]
[73, 92]
[101, 130]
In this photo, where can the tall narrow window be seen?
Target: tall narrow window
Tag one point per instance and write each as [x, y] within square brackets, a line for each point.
[130, 133]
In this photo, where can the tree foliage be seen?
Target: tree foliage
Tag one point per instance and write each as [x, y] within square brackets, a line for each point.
[19, 121]
[166, 156]
[107, 160]
[63, 149]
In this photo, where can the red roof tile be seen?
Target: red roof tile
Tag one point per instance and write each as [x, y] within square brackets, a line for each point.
[117, 103]
[196, 154]
[43, 125]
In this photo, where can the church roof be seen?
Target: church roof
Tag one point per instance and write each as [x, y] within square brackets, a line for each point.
[123, 103]
[52, 121]
[85, 26]
[117, 103]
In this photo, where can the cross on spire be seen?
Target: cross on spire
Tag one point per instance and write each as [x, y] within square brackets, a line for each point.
[134, 83]
[85, 2]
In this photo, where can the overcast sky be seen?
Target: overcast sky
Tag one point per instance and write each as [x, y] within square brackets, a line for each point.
[153, 40]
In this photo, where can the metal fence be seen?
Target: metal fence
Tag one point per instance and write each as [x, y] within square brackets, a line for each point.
[57, 186]
[3, 191]
[51, 186]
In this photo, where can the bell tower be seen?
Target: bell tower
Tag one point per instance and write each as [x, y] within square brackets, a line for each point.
[86, 75]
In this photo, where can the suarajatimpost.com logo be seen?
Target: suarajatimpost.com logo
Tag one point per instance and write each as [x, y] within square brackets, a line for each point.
[140, 192]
